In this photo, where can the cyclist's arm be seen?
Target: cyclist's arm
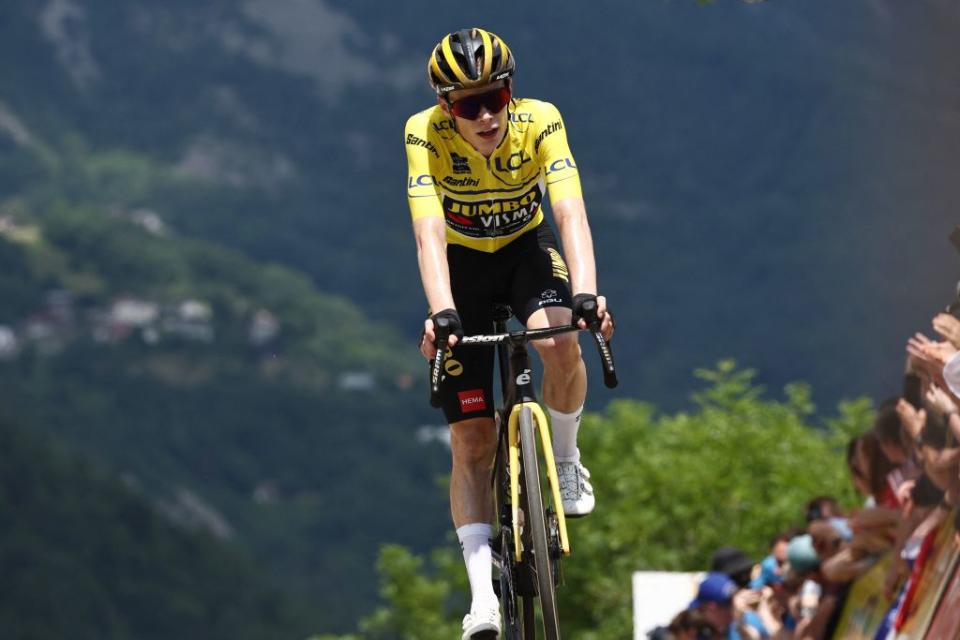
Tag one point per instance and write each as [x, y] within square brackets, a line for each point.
[429, 227]
[430, 233]
[569, 211]
[570, 214]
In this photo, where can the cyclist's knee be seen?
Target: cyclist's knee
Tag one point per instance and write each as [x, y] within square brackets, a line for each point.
[473, 441]
[560, 352]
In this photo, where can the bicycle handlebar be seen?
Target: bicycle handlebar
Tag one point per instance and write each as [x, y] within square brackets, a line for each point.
[523, 336]
[441, 328]
[589, 309]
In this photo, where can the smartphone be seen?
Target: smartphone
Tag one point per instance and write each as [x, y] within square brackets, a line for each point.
[955, 237]
[913, 390]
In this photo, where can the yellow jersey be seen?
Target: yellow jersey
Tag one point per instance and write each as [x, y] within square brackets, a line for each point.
[488, 202]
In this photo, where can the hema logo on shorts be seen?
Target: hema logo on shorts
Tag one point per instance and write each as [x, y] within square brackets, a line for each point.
[472, 400]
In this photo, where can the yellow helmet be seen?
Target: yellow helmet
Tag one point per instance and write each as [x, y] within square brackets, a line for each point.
[469, 58]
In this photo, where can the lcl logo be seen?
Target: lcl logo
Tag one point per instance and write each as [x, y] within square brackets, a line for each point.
[514, 161]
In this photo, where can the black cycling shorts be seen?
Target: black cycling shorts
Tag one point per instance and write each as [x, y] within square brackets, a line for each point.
[527, 274]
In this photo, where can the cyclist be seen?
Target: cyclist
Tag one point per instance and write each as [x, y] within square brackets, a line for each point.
[480, 162]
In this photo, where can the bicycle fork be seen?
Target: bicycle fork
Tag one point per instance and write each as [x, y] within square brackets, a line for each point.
[540, 420]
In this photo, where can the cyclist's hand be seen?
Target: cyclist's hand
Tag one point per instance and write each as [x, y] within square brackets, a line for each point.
[428, 340]
[603, 314]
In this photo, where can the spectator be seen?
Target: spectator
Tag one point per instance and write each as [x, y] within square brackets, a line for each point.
[822, 507]
[907, 467]
[814, 605]
[714, 601]
[729, 609]
[943, 464]
[933, 440]
[689, 624]
[734, 563]
[869, 468]
[772, 567]
[896, 446]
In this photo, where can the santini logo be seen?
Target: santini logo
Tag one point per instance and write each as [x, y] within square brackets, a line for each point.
[551, 128]
[420, 142]
[461, 182]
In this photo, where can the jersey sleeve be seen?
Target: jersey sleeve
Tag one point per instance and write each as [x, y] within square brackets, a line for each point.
[422, 193]
[550, 145]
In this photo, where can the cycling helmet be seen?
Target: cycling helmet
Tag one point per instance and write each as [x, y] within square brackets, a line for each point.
[469, 58]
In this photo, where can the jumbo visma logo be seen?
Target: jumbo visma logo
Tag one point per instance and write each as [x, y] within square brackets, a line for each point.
[492, 218]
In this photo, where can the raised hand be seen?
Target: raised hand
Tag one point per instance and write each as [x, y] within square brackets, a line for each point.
[948, 327]
[928, 357]
[912, 419]
[940, 401]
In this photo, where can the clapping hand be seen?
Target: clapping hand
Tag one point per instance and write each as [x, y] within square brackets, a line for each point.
[949, 328]
[912, 419]
[940, 401]
[929, 357]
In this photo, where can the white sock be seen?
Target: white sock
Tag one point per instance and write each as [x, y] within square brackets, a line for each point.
[475, 542]
[563, 428]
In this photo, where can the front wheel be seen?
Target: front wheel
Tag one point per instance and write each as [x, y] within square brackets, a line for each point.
[538, 532]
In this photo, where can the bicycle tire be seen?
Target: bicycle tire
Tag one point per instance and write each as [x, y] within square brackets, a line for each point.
[510, 600]
[537, 521]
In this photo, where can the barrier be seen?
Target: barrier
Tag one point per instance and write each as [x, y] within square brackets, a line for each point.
[931, 606]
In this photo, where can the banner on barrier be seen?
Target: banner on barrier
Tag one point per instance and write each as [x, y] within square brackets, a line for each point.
[946, 621]
[933, 577]
[933, 606]
[865, 606]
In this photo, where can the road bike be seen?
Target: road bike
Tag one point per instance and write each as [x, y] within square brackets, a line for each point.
[532, 534]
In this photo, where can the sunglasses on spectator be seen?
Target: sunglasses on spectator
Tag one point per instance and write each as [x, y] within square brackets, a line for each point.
[469, 107]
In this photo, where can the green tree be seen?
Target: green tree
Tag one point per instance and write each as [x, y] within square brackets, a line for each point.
[420, 599]
[671, 489]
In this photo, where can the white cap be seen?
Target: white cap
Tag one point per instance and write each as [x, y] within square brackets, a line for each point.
[951, 373]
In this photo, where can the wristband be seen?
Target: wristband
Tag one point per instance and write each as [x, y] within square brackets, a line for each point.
[453, 321]
[577, 304]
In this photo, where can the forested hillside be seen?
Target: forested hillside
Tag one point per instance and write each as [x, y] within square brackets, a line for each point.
[86, 557]
[241, 401]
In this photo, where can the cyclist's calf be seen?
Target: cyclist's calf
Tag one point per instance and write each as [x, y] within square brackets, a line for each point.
[473, 442]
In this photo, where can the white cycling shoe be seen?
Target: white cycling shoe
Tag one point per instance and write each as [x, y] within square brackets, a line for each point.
[576, 492]
[482, 624]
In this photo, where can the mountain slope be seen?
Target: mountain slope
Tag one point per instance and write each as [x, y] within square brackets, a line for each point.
[85, 557]
[239, 398]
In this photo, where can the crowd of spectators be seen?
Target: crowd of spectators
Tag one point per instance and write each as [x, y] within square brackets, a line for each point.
[906, 468]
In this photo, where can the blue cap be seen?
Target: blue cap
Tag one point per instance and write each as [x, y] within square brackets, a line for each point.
[715, 587]
[801, 554]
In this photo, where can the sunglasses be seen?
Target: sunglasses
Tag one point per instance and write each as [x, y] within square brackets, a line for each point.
[469, 107]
